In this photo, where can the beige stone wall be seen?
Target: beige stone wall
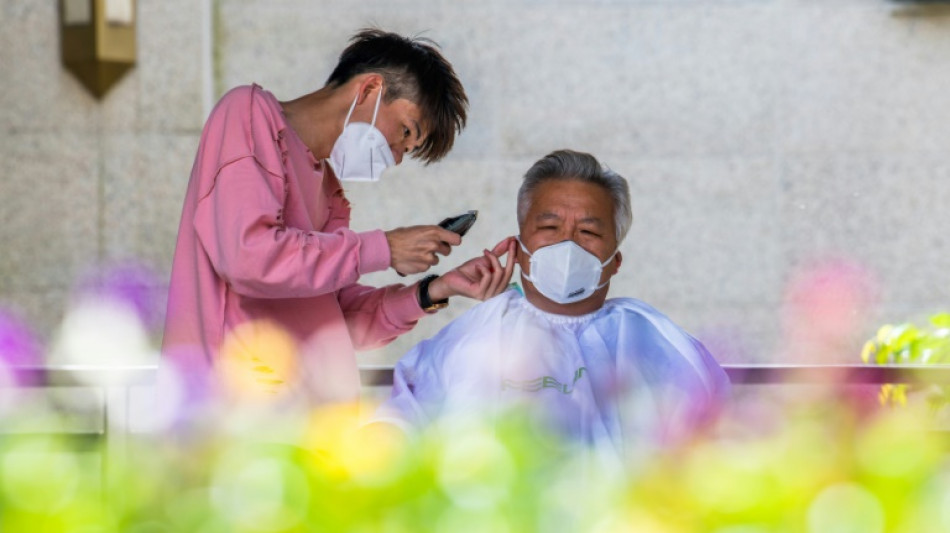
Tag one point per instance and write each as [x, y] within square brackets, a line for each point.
[88, 182]
[759, 136]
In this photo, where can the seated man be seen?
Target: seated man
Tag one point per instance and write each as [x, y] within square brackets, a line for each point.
[608, 372]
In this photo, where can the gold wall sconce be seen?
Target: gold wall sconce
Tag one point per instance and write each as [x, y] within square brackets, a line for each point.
[97, 41]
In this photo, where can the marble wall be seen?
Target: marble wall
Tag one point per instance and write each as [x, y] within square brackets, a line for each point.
[786, 157]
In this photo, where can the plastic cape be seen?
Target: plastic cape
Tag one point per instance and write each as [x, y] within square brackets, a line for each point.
[623, 376]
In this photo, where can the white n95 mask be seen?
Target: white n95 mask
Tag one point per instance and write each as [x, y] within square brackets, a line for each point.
[564, 272]
[361, 152]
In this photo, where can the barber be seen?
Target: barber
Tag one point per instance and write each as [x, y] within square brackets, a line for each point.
[264, 236]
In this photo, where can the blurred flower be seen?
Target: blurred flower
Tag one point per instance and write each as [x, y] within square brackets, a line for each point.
[102, 333]
[825, 309]
[19, 346]
[133, 284]
[258, 361]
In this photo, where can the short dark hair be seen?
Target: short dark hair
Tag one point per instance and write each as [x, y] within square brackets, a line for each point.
[414, 69]
[580, 166]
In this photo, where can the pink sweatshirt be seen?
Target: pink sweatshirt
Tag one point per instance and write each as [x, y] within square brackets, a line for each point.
[264, 235]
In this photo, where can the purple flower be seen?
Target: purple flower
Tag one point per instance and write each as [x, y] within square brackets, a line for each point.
[133, 284]
[19, 347]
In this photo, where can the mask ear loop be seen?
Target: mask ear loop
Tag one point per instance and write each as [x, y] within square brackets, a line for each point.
[529, 254]
[602, 265]
[349, 113]
[379, 98]
[520, 243]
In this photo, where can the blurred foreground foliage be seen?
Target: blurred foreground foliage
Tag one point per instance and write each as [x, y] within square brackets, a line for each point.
[910, 343]
[231, 453]
[817, 469]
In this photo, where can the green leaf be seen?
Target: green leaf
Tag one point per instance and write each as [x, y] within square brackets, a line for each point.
[884, 333]
[934, 348]
[941, 320]
[884, 355]
[870, 348]
[903, 336]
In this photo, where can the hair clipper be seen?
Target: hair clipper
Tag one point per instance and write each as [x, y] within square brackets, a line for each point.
[460, 224]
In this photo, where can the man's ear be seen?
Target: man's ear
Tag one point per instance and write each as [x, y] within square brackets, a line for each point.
[368, 87]
[615, 264]
[521, 257]
[520, 252]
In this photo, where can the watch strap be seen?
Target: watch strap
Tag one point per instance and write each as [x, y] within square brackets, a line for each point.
[425, 302]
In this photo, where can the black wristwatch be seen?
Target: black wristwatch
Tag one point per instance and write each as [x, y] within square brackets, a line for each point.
[425, 302]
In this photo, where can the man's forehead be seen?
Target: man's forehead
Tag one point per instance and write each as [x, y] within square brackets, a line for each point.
[558, 194]
[556, 216]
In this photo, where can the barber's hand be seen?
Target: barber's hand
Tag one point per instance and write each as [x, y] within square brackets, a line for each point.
[481, 277]
[414, 249]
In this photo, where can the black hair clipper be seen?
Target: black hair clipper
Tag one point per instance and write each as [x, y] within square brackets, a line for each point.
[460, 224]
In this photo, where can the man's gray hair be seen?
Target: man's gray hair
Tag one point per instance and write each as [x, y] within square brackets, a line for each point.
[579, 166]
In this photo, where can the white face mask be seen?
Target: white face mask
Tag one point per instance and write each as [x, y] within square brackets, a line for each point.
[564, 272]
[361, 152]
